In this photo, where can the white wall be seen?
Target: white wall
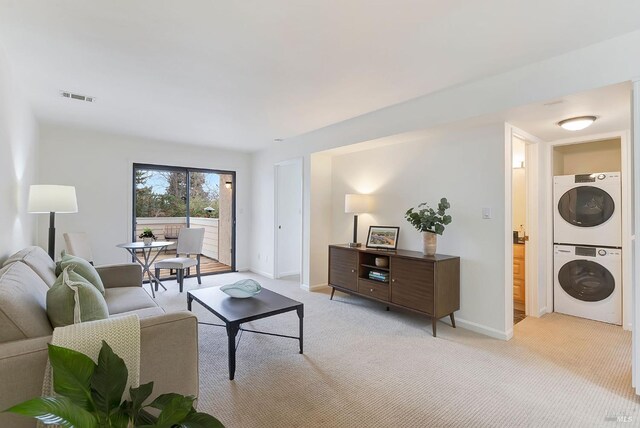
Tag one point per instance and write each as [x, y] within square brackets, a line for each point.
[100, 166]
[18, 143]
[591, 67]
[452, 166]
[586, 158]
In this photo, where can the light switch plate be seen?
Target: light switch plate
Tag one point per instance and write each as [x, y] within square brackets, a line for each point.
[486, 213]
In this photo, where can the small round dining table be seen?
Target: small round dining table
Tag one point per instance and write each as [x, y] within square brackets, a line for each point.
[140, 248]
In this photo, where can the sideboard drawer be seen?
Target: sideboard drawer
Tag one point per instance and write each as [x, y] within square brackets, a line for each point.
[378, 290]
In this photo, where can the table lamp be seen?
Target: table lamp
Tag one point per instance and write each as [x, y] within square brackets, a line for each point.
[356, 204]
[52, 199]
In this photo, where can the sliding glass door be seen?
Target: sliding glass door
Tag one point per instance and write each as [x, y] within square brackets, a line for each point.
[167, 198]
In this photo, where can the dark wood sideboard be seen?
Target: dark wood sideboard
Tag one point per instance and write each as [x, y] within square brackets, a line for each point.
[428, 285]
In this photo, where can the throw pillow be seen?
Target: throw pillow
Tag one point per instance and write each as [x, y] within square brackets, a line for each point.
[73, 299]
[82, 268]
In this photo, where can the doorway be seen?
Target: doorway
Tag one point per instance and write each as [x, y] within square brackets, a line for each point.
[288, 218]
[168, 198]
[523, 197]
[519, 221]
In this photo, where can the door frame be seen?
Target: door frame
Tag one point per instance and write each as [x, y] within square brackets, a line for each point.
[534, 266]
[300, 162]
[188, 170]
[626, 176]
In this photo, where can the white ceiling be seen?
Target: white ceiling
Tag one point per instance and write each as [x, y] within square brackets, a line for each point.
[239, 74]
[611, 105]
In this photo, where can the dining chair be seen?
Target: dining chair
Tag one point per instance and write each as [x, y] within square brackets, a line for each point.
[78, 245]
[190, 241]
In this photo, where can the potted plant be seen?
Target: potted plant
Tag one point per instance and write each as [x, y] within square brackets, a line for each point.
[147, 236]
[430, 222]
[89, 395]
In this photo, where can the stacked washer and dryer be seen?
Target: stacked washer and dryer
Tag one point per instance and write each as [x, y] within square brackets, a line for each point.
[587, 236]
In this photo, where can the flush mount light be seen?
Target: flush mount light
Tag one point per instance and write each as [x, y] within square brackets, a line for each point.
[577, 123]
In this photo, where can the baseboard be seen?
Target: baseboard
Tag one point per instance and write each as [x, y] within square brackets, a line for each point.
[312, 288]
[482, 329]
[263, 273]
[289, 273]
[542, 311]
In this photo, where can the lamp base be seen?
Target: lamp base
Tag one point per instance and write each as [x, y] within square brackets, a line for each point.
[355, 244]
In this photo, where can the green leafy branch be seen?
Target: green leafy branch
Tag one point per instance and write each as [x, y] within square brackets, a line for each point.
[426, 219]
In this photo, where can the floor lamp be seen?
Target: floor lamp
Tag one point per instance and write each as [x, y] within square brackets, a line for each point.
[356, 204]
[52, 199]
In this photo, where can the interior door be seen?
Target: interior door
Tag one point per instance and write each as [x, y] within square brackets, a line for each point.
[288, 218]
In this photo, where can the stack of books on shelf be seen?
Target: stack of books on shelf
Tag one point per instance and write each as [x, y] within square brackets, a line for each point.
[379, 276]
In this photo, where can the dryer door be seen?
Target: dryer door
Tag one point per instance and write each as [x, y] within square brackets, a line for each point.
[586, 206]
[586, 280]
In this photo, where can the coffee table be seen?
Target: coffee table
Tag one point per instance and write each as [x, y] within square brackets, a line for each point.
[234, 312]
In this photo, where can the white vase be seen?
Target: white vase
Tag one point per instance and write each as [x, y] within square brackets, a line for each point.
[430, 241]
[147, 241]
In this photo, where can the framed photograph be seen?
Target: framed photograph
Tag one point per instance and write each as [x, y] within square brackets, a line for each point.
[383, 237]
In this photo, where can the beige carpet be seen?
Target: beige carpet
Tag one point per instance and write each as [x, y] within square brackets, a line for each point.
[365, 367]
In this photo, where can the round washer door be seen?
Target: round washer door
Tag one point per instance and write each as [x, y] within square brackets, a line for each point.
[586, 280]
[586, 206]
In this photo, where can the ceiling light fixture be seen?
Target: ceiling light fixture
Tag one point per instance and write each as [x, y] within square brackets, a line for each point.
[577, 123]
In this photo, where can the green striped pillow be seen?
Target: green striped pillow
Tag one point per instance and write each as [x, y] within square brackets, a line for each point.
[73, 299]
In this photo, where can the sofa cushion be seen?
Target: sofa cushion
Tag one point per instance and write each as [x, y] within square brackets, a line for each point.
[73, 299]
[82, 268]
[142, 313]
[127, 299]
[38, 260]
[22, 304]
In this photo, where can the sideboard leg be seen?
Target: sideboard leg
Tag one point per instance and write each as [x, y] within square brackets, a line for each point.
[453, 320]
[387, 308]
[333, 290]
[434, 320]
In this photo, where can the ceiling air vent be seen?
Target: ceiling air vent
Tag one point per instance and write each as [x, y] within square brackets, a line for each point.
[78, 97]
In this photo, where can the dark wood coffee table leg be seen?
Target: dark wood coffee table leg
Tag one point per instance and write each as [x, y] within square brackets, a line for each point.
[300, 311]
[232, 332]
[189, 300]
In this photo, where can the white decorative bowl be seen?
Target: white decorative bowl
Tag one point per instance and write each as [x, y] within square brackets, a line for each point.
[242, 289]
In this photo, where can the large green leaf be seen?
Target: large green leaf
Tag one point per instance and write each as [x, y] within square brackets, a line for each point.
[139, 395]
[163, 400]
[144, 418]
[119, 418]
[175, 411]
[109, 380]
[56, 410]
[200, 420]
[72, 373]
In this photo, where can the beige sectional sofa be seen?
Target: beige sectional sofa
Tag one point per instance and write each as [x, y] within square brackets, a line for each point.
[169, 341]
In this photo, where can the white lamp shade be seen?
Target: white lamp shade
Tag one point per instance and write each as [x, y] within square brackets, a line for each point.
[357, 204]
[46, 198]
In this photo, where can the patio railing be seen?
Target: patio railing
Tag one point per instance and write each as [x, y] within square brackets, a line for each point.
[211, 245]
